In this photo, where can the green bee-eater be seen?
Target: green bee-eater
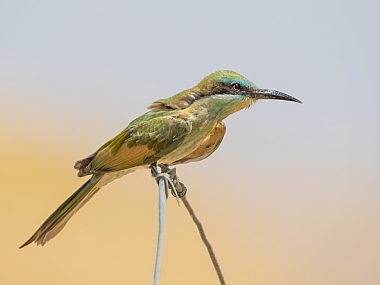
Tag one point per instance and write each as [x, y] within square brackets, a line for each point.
[183, 128]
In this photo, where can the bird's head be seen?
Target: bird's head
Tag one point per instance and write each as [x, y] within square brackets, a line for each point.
[232, 83]
[225, 86]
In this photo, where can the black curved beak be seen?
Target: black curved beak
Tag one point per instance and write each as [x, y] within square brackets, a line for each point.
[271, 94]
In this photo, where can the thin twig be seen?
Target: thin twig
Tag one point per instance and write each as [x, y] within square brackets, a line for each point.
[205, 240]
[170, 179]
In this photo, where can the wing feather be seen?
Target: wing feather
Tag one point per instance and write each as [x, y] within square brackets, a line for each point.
[140, 144]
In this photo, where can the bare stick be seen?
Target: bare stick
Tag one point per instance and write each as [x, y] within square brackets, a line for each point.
[161, 227]
[167, 180]
[205, 240]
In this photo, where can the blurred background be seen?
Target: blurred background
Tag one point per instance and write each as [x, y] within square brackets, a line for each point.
[292, 195]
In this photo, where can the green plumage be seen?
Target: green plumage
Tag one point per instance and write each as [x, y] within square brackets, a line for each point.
[185, 127]
[159, 136]
[56, 221]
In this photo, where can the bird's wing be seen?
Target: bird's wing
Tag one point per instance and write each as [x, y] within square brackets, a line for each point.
[208, 146]
[140, 144]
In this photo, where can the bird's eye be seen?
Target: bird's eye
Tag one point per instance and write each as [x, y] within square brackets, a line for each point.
[236, 86]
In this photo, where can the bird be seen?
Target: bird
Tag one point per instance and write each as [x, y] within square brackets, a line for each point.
[183, 128]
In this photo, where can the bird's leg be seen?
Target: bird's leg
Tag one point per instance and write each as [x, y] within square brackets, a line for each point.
[169, 175]
[179, 188]
[153, 169]
[164, 168]
[157, 175]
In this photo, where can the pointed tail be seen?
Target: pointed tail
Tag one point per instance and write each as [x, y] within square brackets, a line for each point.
[55, 223]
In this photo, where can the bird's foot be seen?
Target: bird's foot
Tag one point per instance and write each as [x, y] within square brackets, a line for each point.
[178, 189]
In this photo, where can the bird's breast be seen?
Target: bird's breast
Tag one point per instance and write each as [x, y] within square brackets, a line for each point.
[202, 123]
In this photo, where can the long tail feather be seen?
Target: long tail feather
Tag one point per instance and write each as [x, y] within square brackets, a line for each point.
[55, 223]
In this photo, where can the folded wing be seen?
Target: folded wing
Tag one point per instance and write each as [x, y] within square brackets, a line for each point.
[138, 145]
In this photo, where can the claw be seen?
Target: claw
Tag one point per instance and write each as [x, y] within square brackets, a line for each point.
[177, 188]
